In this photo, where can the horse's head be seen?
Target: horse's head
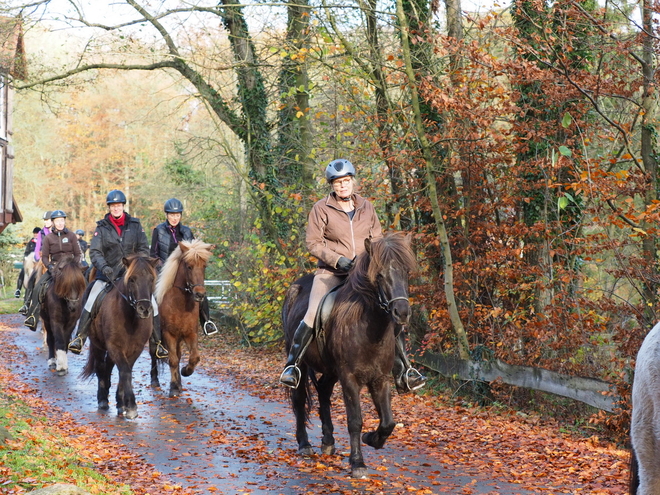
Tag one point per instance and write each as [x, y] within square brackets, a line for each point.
[139, 282]
[69, 281]
[391, 259]
[194, 256]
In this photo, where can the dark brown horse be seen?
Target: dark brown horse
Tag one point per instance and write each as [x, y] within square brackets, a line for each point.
[61, 309]
[359, 347]
[179, 290]
[120, 331]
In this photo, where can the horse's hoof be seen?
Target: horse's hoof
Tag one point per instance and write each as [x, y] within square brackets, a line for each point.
[62, 372]
[103, 405]
[174, 392]
[359, 473]
[328, 449]
[373, 439]
[131, 414]
[52, 366]
[306, 451]
[155, 383]
[186, 371]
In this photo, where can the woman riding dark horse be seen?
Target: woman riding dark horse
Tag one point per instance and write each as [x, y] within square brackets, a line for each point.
[59, 243]
[29, 249]
[337, 228]
[117, 236]
[37, 257]
[164, 240]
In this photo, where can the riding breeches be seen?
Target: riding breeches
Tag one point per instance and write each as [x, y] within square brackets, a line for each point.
[323, 283]
[98, 286]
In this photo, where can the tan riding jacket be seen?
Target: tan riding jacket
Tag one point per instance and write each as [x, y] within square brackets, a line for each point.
[331, 233]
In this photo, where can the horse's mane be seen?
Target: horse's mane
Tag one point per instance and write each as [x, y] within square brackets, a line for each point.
[136, 263]
[69, 280]
[197, 252]
[394, 248]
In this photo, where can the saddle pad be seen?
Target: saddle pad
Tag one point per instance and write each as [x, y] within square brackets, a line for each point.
[99, 300]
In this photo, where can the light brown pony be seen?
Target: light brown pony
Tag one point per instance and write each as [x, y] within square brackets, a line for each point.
[179, 290]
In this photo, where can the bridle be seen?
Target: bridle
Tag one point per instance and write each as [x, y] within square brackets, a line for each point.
[189, 288]
[130, 299]
[386, 304]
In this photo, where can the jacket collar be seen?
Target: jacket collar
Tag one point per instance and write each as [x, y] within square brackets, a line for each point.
[332, 201]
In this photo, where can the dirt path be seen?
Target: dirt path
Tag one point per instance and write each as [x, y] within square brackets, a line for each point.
[227, 437]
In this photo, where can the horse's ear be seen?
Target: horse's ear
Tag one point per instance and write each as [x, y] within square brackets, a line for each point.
[125, 262]
[183, 247]
[367, 245]
[154, 262]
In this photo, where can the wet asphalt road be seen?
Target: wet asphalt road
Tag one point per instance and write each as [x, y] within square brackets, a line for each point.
[217, 438]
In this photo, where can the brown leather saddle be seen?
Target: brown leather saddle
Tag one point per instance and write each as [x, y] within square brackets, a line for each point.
[322, 317]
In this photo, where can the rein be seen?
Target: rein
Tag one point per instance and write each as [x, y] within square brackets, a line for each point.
[386, 304]
[189, 287]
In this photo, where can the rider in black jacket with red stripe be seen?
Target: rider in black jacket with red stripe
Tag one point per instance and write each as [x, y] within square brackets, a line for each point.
[117, 235]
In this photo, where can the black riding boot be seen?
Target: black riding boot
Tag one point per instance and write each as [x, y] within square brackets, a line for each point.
[19, 284]
[301, 339]
[34, 306]
[406, 378]
[205, 318]
[156, 339]
[78, 342]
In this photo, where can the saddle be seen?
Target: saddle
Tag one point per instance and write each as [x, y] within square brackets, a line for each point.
[322, 316]
[99, 300]
[43, 289]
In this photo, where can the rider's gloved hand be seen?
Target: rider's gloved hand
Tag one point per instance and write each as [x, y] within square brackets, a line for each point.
[107, 271]
[344, 264]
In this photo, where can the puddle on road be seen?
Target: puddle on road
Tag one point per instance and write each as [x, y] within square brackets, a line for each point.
[217, 437]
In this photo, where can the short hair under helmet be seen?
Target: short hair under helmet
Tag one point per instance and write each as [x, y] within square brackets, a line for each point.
[115, 196]
[57, 214]
[339, 168]
[80, 232]
[47, 215]
[36, 230]
[173, 205]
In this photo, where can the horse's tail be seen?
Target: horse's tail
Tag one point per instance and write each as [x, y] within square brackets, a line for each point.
[634, 473]
[90, 366]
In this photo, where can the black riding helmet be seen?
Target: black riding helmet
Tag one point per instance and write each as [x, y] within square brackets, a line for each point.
[80, 232]
[57, 214]
[339, 168]
[115, 196]
[173, 205]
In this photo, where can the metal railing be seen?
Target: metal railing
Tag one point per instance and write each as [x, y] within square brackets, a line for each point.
[221, 294]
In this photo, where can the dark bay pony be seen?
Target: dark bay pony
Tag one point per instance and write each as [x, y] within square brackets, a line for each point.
[179, 290]
[359, 344]
[61, 309]
[120, 331]
[645, 420]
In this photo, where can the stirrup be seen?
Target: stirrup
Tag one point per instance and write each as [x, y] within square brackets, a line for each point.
[297, 374]
[17, 293]
[413, 379]
[23, 310]
[161, 352]
[76, 345]
[213, 330]
[31, 322]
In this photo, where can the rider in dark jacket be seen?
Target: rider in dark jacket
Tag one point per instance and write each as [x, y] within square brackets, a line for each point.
[59, 243]
[116, 236]
[164, 240]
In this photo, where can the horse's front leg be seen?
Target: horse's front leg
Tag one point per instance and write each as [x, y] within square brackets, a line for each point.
[50, 344]
[354, 418]
[193, 358]
[380, 394]
[326, 385]
[126, 404]
[175, 376]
